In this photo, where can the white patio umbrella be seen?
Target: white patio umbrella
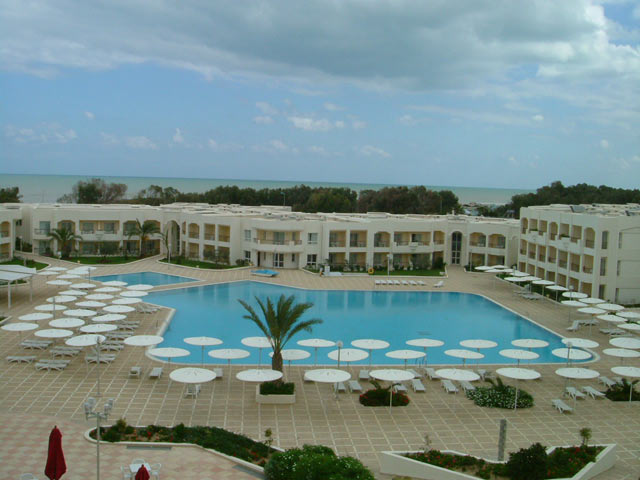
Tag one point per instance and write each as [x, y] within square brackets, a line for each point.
[193, 376]
[391, 375]
[140, 287]
[81, 312]
[58, 283]
[292, 354]
[464, 354]
[632, 372]
[73, 293]
[543, 283]
[574, 295]
[478, 344]
[632, 327]
[629, 315]
[108, 317]
[574, 304]
[83, 286]
[66, 322]
[53, 333]
[114, 283]
[530, 278]
[56, 269]
[610, 307]
[327, 375]
[518, 354]
[621, 353]
[593, 311]
[530, 343]
[202, 342]
[425, 343]
[118, 309]
[516, 273]
[258, 375]
[169, 353]
[518, 374]
[259, 343]
[580, 342]
[35, 317]
[89, 340]
[608, 317]
[107, 289]
[68, 276]
[457, 374]
[50, 307]
[577, 374]
[592, 300]
[370, 344]
[99, 297]
[405, 355]
[316, 343]
[47, 273]
[229, 354]
[19, 327]
[347, 355]
[483, 268]
[126, 301]
[61, 299]
[98, 328]
[557, 289]
[143, 340]
[626, 342]
[571, 354]
[90, 304]
[133, 294]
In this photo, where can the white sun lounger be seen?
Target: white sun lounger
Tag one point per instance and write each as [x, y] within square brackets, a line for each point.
[135, 372]
[484, 373]
[574, 393]
[21, 358]
[574, 326]
[354, 386]
[592, 392]
[37, 344]
[404, 282]
[449, 386]
[561, 406]
[417, 385]
[466, 386]
[156, 372]
[399, 387]
[414, 373]
[104, 358]
[363, 375]
[420, 282]
[378, 282]
[439, 284]
[339, 387]
[431, 373]
[413, 283]
[606, 381]
[396, 282]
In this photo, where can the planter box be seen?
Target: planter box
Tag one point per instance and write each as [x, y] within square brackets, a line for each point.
[274, 399]
[395, 463]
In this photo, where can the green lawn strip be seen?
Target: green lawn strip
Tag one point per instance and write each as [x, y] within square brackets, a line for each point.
[199, 264]
[411, 273]
[30, 263]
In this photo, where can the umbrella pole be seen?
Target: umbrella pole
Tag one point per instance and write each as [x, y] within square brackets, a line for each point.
[315, 358]
[515, 405]
[203, 356]
[98, 366]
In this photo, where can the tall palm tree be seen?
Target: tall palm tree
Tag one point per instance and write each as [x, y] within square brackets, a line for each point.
[64, 238]
[144, 231]
[280, 322]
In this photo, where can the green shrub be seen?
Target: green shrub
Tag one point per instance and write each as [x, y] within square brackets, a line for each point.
[528, 463]
[277, 388]
[111, 435]
[379, 397]
[620, 392]
[499, 395]
[567, 461]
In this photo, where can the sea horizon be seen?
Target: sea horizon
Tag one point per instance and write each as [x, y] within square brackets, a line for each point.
[48, 188]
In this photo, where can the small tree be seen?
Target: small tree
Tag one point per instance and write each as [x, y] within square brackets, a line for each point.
[64, 238]
[144, 231]
[585, 434]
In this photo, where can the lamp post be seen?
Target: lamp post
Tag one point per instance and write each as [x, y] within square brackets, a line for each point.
[284, 199]
[339, 344]
[90, 412]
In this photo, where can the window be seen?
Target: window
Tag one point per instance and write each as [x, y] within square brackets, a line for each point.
[110, 227]
[247, 256]
[312, 238]
[45, 228]
[620, 240]
[312, 260]
[603, 266]
[278, 260]
[601, 291]
[605, 240]
[247, 235]
[278, 238]
[619, 268]
[67, 226]
[293, 258]
[87, 227]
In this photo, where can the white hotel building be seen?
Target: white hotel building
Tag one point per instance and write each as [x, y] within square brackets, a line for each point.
[593, 249]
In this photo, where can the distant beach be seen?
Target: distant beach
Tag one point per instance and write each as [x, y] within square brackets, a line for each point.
[48, 188]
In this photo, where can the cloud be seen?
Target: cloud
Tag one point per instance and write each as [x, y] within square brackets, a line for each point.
[276, 147]
[604, 143]
[358, 124]
[317, 150]
[223, 147]
[140, 143]
[332, 107]
[89, 115]
[267, 109]
[109, 139]
[263, 120]
[43, 133]
[407, 120]
[311, 124]
[177, 137]
[470, 115]
[538, 118]
[371, 151]
[626, 163]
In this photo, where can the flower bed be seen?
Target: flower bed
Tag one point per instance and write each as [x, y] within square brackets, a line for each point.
[379, 397]
[500, 396]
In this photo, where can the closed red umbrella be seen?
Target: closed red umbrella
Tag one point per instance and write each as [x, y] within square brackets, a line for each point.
[143, 473]
[56, 466]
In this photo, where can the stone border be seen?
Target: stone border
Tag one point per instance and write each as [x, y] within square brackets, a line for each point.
[395, 463]
[76, 264]
[197, 269]
[274, 399]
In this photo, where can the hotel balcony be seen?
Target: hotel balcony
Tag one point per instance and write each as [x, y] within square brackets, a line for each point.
[224, 238]
[358, 244]
[42, 231]
[210, 237]
[278, 246]
[337, 244]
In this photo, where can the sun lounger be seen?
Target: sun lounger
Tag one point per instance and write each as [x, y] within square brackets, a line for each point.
[574, 393]
[588, 321]
[218, 371]
[111, 346]
[606, 381]
[399, 387]
[618, 380]
[37, 344]
[574, 326]
[52, 364]
[339, 387]
[431, 373]
[592, 392]
[414, 373]
[21, 358]
[363, 375]
[417, 385]
[156, 372]
[413, 283]
[192, 390]
[439, 284]
[449, 386]
[378, 282]
[396, 282]
[531, 296]
[135, 372]
[561, 406]
[65, 351]
[354, 386]
[420, 282]
[466, 386]
[484, 374]
[404, 282]
[104, 358]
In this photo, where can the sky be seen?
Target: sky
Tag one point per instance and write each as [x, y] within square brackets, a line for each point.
[488, 93]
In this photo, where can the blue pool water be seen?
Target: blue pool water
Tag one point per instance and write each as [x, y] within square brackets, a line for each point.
[151, 278]
[396, 317]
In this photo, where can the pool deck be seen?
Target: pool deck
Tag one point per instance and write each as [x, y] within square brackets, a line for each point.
[34, 401]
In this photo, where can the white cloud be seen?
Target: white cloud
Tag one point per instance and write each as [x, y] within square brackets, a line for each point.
[177, 137]
[310, 124]
[407, 120]
[358, 124]
[109, 139]
[267, 109]
[224, 147]
[317, 150]
[538, 118]
[332, 107]
[263, 120]
[43, 133]
[276, 146]
[626, 163]
[89, 115]
[213, 145]
[604, 143]
[370, 151]
[339, 124]
[140, 143]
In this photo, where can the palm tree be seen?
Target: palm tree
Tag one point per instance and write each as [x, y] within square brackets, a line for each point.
[281, 322]
[64, 239]
[144, 231]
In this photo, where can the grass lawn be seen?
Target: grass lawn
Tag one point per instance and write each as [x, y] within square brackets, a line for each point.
[198, 264]
[30, 263]
[102, 260]
[410, 273]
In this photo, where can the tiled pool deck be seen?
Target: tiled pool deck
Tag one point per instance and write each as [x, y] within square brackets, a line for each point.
[33, 401]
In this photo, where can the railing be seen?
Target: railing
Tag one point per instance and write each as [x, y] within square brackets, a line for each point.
[523, 251]
[575, 239]
[42, 231]
[223, 238]
[4, 234]
[358, 244]
[401, 243]
[195, 235]
[551, 260]
[478, 244]
[575, 267]
[552, 236]
[562, 264]
[589, 243]
[497, 245]
[587, 270]
[438, 242]
[532, 255]
[381, 244]
[87, 232]
[541, 258]
[336, 244]
[210, 236]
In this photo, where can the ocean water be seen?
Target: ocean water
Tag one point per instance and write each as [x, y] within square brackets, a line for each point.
[48, 188]
[214, 310]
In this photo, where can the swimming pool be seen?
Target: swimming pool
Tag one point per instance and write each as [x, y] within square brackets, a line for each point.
[396, 317]
[151, 278]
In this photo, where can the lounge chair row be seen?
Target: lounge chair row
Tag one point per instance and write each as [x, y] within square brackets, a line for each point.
[37, 344]
[412, 283]
[156, 372]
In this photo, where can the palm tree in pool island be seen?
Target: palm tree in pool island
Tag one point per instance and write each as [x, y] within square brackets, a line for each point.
[64, 239]
[280, 322]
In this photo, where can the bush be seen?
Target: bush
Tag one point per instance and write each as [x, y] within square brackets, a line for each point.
[314, 462]
[277, 388]
[500, 396]
[620, 392]
[528, 463]
[379, 397]
[567, 461]
[438, 263]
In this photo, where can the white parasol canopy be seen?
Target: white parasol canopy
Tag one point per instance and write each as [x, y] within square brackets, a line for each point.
[370, 344]
[88, 340]
[393, 376]
[202, 342]
[99, 297]
[327, 375]
[133, 294]
[83, 285]
[621, 353]
[259, 375]
[35, 317]
[61, 299]
[292, 354]
[66, 323]
[625, 342]
[611, 318]
[478, 343]
[259, 343]
[192, 375]
[516, 279]
[53, 333]
[530, 343]
[518, 374]
[483, 268]
[633, 372]
[574, 295]
[544, 283]
[464, 354]
[457, 374]
[126, 301]
[629, 315]
[107, 289]
[316, 343]
[119, 309]
[591, 310]
[347, 355]
[47, 273]
[19, 327]
[50, 307]
[633, 327]
[611, 307]
[229, 354]
[405, 355]
[571, 354]
[91, 304]
[577, 373]
[573, 303]
[82, 312]
[73, 293]
[140, 287]
[98, 328]
[592, 300]
[169, 352]
[56, 269]
[143, 340]
[59, 283]
[557, 288]
[580, 342]
[518, 355]
[425, 343]
[108, 317]
[517, 273]
[114, 283]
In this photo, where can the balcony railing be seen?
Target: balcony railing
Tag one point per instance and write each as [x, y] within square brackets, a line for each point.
[210, 236]
[87, 232]
[42, 231]
[523, 251]
[541, 258]
[381, 244]
[552, 236]
[551, 260]
[438, 242]
[589, 243]
[401, 243]
[496, 245]
[358, 244]
[223, 238]
[587, 270]
[337, 244]
[478, 244]
[532, 255]
[4, 234]
[575, 239]
[562, 264]
[575, 267]
[195, 235]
